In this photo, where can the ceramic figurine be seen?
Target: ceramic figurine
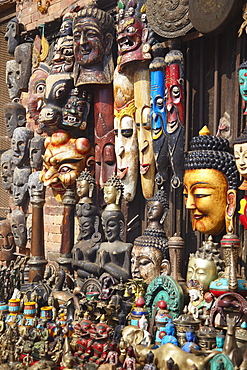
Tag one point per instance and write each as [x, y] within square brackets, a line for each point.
[220, 339]
[242, 80]
[207, 182]
[195, 290]
[15, 116]
[190, 337]
[114, 254]
[113, 190]
[7, 242]
[161, 318]
[20, 185]
[36, 90]
[7, 169]
[205, 264]
[37, 150]
[93, 37]
[150, 252]
[126, 145]
[12, 35]
[12, 74]
[64, 159]
[169, 337]
[20, 145]
[58, 87]
[130, 361]
[18, 227]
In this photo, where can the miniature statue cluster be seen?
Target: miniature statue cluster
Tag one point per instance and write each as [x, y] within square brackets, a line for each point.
[106, 98]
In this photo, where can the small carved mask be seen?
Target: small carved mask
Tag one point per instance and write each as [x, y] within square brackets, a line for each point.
[64, 159]
[18, 226]
[36, 90]
[158, 105]
[7, 169]
[63, 55]
[7, 243]
[20, 144]
[15, 116]
[12, 35]
[76, 109]
[37, 149]
[129, 35]
[105, 160]
[12, 79]
[23, 57]
[66, 26]
[20, 185]
[35, 186]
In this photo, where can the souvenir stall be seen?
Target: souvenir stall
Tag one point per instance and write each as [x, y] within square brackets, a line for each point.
[124, 244]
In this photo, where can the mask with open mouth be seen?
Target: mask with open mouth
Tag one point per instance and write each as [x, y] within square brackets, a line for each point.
[76, 109]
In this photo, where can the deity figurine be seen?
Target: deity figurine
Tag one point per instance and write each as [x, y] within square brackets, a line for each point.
[15, 116]
[209, 184]
[36, 90]
[19, 229]
[7, 169]
[113, 190]
[12, 35]
[93, 38]
[150, 251]
[242, 80]
[130, 360]
[205, 264]
[84, 252]
[85, 184]
[191, 341]
[64, 159]
[195, 291]
[169, 337]
[114, 254]
[20, 145]
[7, 242]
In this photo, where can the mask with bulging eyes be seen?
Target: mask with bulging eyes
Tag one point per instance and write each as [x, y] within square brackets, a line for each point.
[15, 116]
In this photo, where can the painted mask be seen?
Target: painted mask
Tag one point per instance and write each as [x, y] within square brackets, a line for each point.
[63, 55]
[175, 90]
[18, 226]
[242, 80]
[93, 37]
[146, 158]
[57, 91]
[20, 144]
[126, 145]
[37, 149]
[35, 186]
[76, 109]
[12, 35]
[12, 79]
[20, 185]
[146, 263]
[66, 26]
[23, 57]
[36, 90]
[202, 270]
[15, 116]
[7, 243]
[7, 169]
[64, 159]
[205, 193]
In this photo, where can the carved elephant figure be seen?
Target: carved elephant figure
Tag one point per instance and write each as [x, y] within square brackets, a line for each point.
[132, 335]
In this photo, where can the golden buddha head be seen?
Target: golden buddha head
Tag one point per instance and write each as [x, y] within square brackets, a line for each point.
[210, 183]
